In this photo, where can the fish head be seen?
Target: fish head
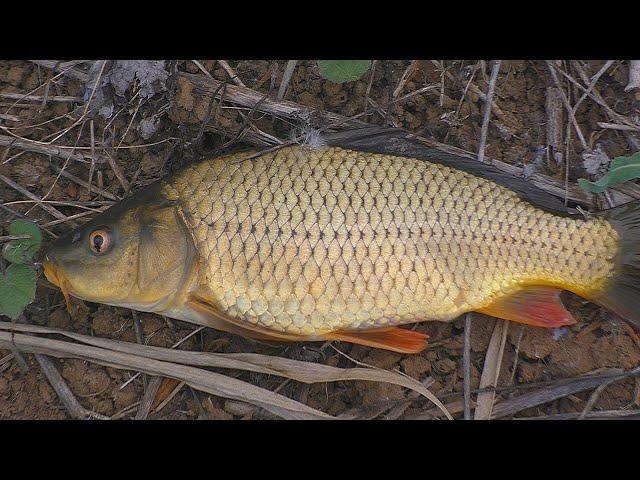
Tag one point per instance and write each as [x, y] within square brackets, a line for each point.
[136, 254]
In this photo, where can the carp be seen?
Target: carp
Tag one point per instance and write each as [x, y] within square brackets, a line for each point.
[347, 241]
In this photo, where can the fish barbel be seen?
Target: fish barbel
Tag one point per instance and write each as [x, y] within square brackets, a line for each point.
[347, 241]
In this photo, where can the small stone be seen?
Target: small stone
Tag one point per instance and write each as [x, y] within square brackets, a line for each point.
[445, 366]
[59, 318]
[215, 413]
[45, 392]
[382, 359]
[528, 372]
[125, 397]
[416, 366]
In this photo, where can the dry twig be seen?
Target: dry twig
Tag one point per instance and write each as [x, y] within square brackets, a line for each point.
[41, 98]
[565, 100]
[54, 151]
[634, 76]
[45, 206]
[286, 78]
[70, 402]
[232, 74]
[487, 110]
[561, 389]
[491, 370]
[64, 68]
[466, 365]
[147, 399]
[172, 364]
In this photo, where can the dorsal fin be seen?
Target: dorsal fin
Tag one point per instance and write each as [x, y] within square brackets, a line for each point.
[395, 141]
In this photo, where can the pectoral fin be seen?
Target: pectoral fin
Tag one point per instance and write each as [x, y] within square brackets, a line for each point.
[203, 303]
[395, 339]
[537, 305]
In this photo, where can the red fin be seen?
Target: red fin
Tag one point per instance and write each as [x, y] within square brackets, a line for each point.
[538, 306]
[394, 339]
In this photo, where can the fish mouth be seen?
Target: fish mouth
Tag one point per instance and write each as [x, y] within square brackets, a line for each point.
[55, 276]
[50, 272]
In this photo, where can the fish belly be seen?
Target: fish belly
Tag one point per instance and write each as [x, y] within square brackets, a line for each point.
[308, 241]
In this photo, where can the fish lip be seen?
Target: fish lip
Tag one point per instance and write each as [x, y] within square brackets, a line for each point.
[55, 276]
[50, 271]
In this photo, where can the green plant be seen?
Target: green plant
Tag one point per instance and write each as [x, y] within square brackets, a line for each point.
[340, 71]
[18, 281]
[622, 169]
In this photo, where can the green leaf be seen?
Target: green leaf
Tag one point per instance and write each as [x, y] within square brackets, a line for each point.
[341, 71]
[17, 289]
[622, 169]
[21, 251]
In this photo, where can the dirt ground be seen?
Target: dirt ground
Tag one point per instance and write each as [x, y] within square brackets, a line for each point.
[450, 113]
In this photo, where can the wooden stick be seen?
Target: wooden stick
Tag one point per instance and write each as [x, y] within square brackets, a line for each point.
[548, 394]
[570, 111]
[48, 208]
[491, 370]
[555, 121]
[10, 118]
[616, 126]
[604, 414]
[409, 71]
[475, 89]
[286, 78]
[66, 70]
[634, 76]
[118, 173]
[148, 398]
[466, 365]
[6, 238]
[594, 398]
[594, 80]
[232, 74]
[173, 393]
[54, 151]
[487, 109]
[252, 99]
[205, 380]
[40, 98]
[82, 183]
[69, 400]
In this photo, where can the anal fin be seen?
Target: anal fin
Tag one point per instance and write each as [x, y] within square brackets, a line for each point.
[535, 305]
[395, 339]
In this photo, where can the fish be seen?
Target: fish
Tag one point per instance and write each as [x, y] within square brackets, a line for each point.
[349, 239]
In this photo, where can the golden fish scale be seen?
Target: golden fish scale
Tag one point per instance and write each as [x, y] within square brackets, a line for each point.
[308, 241]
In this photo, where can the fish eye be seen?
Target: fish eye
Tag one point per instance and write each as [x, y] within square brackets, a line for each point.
[100, 241]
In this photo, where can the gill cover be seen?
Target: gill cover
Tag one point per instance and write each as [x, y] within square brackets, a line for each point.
[163, 247]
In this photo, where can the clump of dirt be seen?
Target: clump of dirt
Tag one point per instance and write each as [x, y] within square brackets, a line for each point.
[175, 125]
